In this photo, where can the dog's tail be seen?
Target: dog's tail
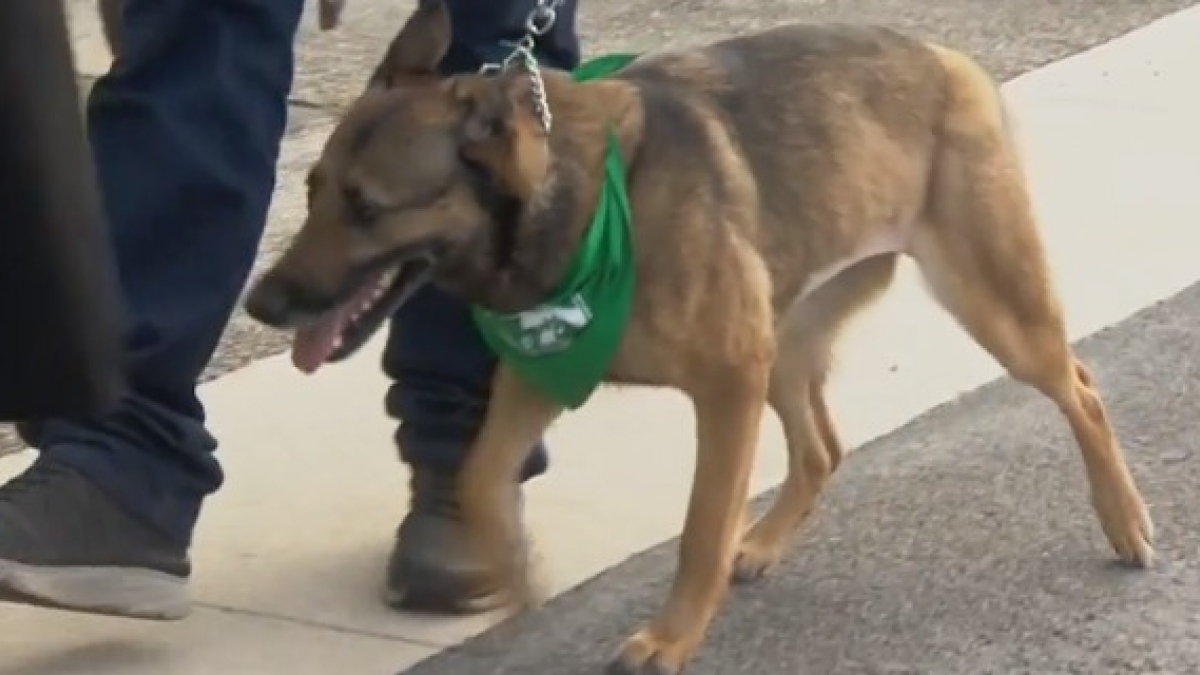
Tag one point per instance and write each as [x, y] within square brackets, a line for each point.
[972, 93]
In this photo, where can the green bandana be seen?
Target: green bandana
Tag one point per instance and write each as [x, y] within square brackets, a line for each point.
[564, 346]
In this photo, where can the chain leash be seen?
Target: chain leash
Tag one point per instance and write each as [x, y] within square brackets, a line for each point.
[539, 22]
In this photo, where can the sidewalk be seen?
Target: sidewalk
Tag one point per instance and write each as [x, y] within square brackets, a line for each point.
[1115, 160]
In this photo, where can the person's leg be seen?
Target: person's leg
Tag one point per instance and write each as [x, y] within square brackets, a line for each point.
[442, 369]
[185, 131]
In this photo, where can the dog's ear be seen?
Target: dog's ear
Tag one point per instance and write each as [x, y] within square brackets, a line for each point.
[418, 49]
[501, 132]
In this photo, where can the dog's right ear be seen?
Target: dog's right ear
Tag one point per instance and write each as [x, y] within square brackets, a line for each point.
[418, 49]
[500, 133]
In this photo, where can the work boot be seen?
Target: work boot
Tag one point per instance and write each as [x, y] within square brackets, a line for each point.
[65, 544]
[432, 568]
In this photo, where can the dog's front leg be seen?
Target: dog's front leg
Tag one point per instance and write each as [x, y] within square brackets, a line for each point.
[729, 410]
[516, 419]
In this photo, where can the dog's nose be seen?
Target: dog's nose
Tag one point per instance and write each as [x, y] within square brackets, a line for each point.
[270, 301]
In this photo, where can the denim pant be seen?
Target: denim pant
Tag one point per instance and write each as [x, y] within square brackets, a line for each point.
[186, 131]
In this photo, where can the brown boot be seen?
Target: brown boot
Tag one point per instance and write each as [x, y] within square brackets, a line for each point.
[431, 568]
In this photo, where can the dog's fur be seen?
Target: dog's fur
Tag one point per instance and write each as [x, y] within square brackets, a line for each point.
[775, 179]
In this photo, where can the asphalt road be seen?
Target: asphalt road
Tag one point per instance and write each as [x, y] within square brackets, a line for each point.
[961, 544]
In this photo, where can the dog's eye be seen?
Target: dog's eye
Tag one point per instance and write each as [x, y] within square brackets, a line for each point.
[362, 209]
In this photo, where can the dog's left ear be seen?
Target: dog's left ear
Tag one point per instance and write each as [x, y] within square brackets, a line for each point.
[418, 49]
[501, 132]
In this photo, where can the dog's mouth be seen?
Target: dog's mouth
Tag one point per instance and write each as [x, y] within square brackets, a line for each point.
[340, 332]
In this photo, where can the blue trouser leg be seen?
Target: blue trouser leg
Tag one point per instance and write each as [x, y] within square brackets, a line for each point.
[186, 131]
[440, 366]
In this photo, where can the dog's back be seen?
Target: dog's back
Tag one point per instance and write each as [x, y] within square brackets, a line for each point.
[837, 127]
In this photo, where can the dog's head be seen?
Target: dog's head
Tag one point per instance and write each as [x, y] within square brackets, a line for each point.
[421, 168]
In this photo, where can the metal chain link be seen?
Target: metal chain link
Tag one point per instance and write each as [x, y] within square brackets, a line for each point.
[539, 22]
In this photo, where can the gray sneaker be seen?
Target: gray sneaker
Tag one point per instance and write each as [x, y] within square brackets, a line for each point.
[65, 544]
[431, 568]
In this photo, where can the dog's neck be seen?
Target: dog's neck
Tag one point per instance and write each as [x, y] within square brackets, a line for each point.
[520, 260]
[516, 263]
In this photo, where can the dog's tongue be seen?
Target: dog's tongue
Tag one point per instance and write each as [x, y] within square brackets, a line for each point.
[313, 344]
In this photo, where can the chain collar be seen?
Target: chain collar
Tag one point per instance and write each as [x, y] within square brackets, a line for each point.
[538, 23]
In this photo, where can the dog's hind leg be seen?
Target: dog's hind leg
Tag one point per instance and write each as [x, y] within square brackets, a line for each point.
[979, 249]
[798, 398]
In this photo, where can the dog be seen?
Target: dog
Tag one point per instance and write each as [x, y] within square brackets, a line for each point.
[329, 14]
[774, 179]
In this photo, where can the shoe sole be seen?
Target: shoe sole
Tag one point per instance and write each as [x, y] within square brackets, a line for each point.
[112, 591]
[441, 603]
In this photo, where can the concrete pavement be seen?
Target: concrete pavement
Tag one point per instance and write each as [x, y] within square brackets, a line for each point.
[290, 553]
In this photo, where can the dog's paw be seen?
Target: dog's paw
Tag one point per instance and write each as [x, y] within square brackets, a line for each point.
[514, 572]
[1127, 525]
[646, 653]
[753, 562]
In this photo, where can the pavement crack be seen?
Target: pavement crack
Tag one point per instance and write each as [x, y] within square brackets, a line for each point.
[309, 105]
[319, 625]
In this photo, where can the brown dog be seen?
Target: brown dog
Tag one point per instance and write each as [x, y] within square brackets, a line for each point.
[774, 181]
